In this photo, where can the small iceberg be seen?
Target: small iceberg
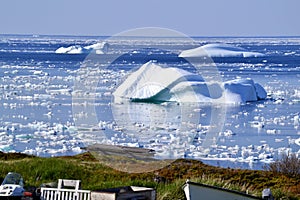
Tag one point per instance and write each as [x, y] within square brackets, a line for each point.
[153, 83]
[97, 48]
[76, 49]
[218, 50]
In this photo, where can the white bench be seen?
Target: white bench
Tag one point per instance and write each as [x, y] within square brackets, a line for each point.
[63, 193]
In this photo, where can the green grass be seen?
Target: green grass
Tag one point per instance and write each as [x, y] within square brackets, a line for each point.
[94, 175]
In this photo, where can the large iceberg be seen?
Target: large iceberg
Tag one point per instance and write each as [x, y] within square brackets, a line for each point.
[218, 50]
[153, 83]
[97, 48]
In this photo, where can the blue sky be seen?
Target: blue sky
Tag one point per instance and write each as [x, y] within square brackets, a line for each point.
[192, 17]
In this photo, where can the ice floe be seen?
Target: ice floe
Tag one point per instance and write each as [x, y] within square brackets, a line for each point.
[218, 50]
[297, 141]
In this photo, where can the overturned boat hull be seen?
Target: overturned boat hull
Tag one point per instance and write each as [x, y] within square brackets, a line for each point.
[198, 191]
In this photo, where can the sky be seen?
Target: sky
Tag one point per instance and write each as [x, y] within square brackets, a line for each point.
[191, 17]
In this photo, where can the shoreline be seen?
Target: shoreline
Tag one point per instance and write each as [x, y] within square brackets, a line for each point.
[107, 152]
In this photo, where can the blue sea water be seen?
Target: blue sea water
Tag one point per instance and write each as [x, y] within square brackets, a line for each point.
[38, 115]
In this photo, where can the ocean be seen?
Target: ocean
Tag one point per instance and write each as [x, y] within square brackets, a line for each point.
[42, 113]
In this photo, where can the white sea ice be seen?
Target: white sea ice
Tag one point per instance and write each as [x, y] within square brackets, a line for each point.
[297, 141]
[218, 50]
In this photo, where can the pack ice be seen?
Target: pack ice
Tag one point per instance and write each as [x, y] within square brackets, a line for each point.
[154, 83]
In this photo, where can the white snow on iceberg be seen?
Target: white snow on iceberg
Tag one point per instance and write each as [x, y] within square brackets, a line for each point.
[153, 83]
[97, 48]
[218, 50]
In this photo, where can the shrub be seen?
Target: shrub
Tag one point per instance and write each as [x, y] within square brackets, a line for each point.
[289, 164]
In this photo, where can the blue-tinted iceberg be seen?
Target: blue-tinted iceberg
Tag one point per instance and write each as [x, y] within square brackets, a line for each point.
[97, 48]
[153, 83]
[218, 50]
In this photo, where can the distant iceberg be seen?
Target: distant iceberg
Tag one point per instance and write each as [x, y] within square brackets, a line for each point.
[153, 83]
[218, 50]
[76, 49]
[97, 48]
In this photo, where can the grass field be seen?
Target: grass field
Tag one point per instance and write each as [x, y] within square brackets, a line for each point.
[95, 175]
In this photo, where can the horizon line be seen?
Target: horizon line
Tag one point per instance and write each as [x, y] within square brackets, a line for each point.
[193, 36]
